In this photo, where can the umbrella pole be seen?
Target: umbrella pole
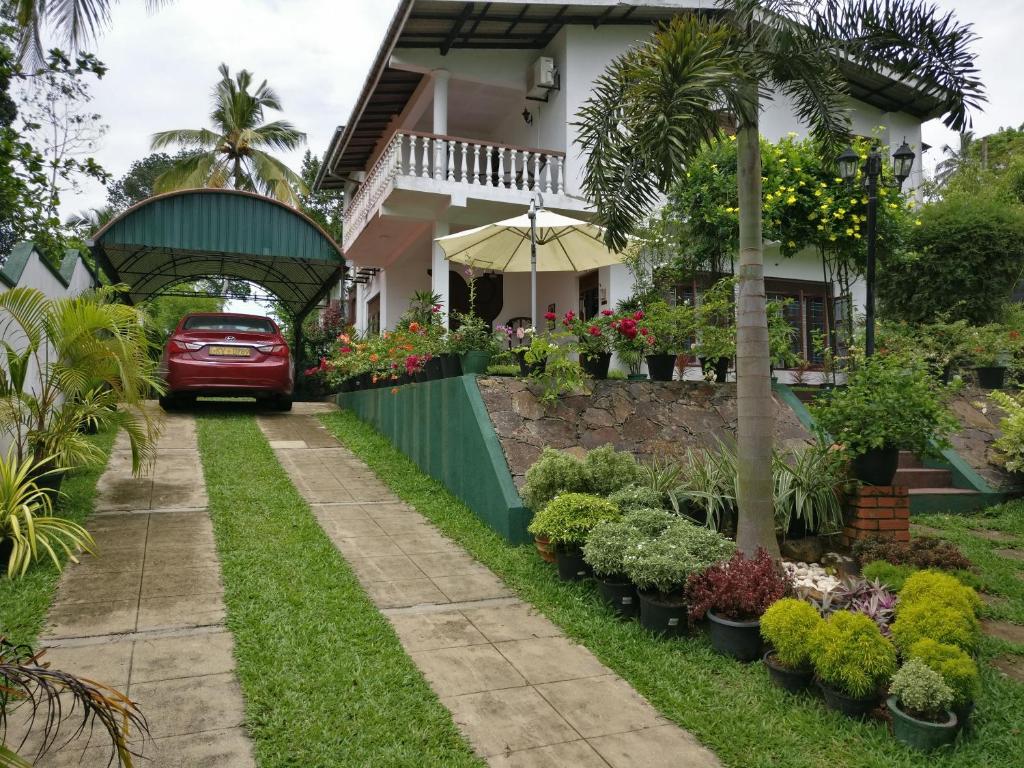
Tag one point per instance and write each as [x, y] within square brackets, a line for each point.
[533, 264]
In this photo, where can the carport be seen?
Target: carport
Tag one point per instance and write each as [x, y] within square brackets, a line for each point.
[214, 233]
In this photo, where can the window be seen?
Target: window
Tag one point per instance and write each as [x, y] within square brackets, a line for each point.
[808, 313]
[238, 323]
[373, 315]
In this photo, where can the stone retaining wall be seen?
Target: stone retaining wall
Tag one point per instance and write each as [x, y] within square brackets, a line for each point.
[979, 428]
[647, 418]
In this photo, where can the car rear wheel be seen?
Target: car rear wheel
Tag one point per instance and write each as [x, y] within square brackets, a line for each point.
[169, 402]
[282, 403]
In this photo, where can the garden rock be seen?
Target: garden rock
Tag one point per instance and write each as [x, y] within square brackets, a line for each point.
[808, 549]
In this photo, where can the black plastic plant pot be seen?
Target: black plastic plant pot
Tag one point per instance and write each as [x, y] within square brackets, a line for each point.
[450, 365]
[596, 366]
[571, 565]
[991, 376]
[6, 550]
[432, 368]
[963, 711]
[525, 368]
[720, 365]
[921, 734]
[621, 595]
[877, 466]
[739, 639]
[786, 678]
[851, 707]
[663, 617]
[50, 482]
[661, 366]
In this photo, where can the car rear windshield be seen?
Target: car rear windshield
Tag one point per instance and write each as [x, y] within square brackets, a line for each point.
[244, 324]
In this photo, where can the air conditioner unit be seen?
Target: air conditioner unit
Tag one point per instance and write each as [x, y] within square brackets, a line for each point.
[541, 79]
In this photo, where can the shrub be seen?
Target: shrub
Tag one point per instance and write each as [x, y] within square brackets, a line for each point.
[941, 588]
[887, 573]
[924, 553]
[666, 561]
[787, 625]
[739, 589]
[634, 497]
[607, 470]
[958, 669]
[921, 691]
[570, 517]
[1009, 446]
[553, 473]
[934, 620]
[850, 654]
[651, 522]
[606, 546]
[889, 400]
[869, 598]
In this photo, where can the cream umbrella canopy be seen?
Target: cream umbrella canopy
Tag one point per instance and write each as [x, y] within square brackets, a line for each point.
[538, 241]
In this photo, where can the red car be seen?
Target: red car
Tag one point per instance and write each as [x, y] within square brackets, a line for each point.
[226, 354]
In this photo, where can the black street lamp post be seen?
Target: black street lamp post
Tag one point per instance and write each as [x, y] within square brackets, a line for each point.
[902, 163]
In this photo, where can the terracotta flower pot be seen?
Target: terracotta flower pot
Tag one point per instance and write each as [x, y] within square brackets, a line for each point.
[544, 548]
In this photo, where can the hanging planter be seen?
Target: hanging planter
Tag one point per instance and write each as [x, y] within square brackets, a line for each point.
[877, 466]
[661, 366]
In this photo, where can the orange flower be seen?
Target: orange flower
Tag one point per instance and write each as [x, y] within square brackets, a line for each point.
[407, 347]
[394, 390]
[374, 357]
[414, 327]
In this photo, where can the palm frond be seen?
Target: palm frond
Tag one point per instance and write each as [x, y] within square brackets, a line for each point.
[188, 173]
[279, 134]
[188, 138]
[275, 179]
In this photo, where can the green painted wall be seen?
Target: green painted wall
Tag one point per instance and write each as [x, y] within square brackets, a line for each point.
[444, 428]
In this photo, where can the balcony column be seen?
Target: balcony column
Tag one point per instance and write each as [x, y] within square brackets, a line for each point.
[439, 268]
[441, 77]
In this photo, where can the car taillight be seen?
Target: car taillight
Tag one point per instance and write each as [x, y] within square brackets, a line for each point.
[273, 349]
[186, 346]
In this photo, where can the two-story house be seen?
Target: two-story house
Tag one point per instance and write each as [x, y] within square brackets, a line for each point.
[468, 109]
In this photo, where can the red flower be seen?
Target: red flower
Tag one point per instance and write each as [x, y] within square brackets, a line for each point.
[638, 315]
[550, 315]
[644, 331]
[594, 330]
[569, 316]
[1015, 335]
[346, 350]
[414, 327]
[607, 312]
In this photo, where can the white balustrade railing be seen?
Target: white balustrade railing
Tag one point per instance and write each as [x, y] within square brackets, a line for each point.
[451, 160]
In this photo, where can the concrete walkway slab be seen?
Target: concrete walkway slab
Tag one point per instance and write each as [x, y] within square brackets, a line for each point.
[146, 615]
[523, 694]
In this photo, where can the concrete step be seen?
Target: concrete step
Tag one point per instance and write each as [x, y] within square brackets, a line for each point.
[921, 477]
[909, 461]
[942, 492]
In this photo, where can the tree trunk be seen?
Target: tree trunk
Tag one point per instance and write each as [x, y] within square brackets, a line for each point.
[755, 409]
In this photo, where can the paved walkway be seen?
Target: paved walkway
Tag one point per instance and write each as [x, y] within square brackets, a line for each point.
[523, 694]
[147, 617]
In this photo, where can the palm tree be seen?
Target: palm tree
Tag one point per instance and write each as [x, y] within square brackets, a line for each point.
[955, 159]
[234, 153]
[658, 104]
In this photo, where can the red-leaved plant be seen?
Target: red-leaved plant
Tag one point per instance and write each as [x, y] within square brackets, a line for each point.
[738, 589]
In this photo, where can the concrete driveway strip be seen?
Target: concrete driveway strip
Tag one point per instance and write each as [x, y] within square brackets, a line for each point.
[523, 694]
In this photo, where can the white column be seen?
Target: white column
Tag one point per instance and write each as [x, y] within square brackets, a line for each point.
[441, 77]
[439, 267]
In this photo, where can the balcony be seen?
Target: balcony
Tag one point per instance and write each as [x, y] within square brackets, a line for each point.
[453, 166]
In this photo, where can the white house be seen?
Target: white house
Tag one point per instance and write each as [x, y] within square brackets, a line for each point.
[469, 107]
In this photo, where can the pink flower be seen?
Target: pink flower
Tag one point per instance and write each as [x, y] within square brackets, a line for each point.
[436, 308]
[594, 330]
[607, 312]
[638, 315]
[550, 315]
[520, 333]
[644, 331]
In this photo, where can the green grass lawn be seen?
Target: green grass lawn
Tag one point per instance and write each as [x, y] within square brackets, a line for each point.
[24, 602]
[730, 707]
[326, 681]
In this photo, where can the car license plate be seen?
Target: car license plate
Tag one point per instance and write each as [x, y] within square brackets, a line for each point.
[231, 351]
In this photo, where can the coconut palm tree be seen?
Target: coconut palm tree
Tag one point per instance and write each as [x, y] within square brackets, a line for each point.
[235, 153]
[658, 104]
[955, 159]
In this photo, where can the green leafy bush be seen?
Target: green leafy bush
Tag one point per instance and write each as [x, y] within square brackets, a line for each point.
[634, 497]
[568, 518]
[942, 588]
[888, 401]
[893, 576]
[666, 561]
[787, 625]
[652, 522]
[850, 654]
[606, 546]
[607, 470]
[805, 482]
[935, 620]
[958, 669]
[1009, 446]
[921, 691]
[672, 327]
[553, 473]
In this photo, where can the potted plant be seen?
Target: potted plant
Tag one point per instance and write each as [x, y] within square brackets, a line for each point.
[604, 551]
[889, 404]
[852, 660]
[594, 338]
[565, 522]
[959, 671]
[661, 564]
[631, 341]
[671, 329]
[734, 595]
[473, 341]
[716, 329]
[989, 349]
[919, 703]
[787, 626]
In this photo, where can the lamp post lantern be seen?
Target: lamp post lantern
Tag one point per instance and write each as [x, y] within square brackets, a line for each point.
[902, 164]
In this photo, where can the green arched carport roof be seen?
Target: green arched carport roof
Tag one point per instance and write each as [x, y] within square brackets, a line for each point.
[197, 233]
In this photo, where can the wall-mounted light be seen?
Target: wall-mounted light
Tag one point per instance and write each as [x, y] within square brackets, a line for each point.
[527, 116]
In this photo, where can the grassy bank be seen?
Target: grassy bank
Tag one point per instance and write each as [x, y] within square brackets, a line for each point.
[729, 706]
[325, 679]
[24, 602]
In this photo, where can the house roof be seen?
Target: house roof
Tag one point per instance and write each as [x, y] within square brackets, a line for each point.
[496, 25]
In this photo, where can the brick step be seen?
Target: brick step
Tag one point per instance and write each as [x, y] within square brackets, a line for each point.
[921, 477]
[909, 461]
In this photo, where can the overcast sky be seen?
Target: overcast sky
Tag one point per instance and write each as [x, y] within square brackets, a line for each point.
[316, 53]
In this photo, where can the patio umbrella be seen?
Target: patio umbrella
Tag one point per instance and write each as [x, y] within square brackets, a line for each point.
[538, 241]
